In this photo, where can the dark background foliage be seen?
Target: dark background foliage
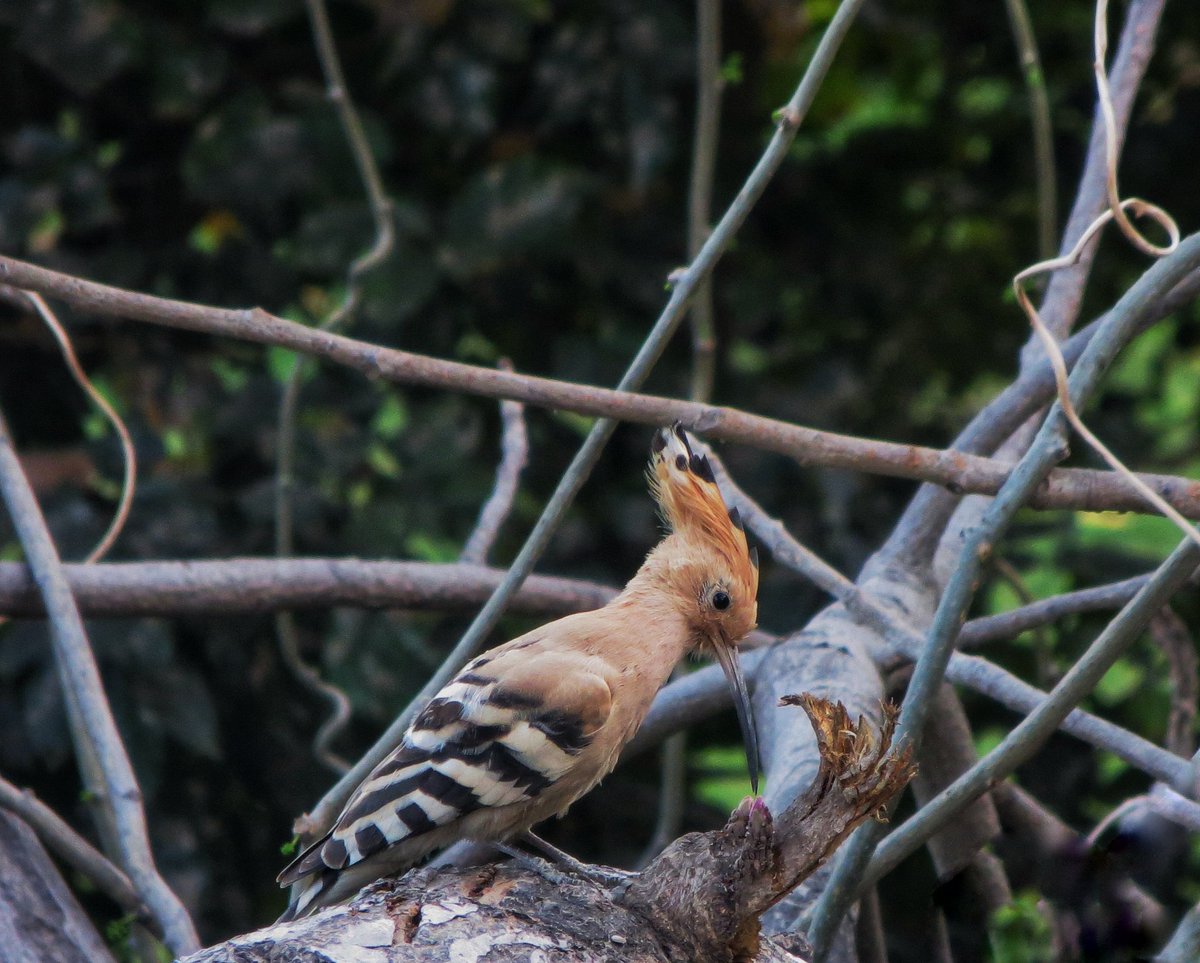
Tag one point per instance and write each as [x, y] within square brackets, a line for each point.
[538, 155]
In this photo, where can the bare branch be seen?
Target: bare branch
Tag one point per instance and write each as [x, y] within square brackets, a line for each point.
[1048, 448]
[1008, 625]
[249, 585]
[1071, 488]
[514, 453]
[92, 727]
[1171, 635]
[364, 160]
[1064, 293]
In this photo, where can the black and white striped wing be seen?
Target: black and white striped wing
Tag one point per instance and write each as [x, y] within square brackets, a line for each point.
[481, 742]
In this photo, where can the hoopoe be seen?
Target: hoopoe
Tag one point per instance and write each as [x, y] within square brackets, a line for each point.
[530, 726]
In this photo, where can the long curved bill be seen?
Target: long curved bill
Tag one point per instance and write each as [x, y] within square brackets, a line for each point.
[727, 658]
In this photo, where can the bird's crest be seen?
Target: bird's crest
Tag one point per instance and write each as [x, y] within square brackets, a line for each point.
[692, 506]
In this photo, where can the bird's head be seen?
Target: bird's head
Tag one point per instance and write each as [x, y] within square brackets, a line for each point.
[708, 563]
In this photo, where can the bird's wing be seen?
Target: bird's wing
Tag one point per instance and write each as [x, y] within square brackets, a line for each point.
[502, 732]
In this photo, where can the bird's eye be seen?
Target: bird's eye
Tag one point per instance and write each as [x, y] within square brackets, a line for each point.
[721, 601]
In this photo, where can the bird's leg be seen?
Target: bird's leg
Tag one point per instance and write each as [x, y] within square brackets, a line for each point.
[601, 877]
[537, 866]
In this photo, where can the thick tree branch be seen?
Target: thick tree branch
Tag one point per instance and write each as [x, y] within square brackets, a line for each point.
[739, 873]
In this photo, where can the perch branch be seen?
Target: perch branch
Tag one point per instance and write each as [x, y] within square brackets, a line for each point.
[740, 872]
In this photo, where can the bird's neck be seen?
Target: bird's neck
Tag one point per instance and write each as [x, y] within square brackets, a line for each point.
[652, 603]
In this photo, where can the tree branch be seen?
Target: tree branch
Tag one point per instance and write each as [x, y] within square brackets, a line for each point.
[1072, 488]
[514, 453]
[701, 899]
[1032, 732]
[257, 585]
[93, 729]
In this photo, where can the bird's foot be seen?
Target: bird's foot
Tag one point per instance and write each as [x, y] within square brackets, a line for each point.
[602, 878]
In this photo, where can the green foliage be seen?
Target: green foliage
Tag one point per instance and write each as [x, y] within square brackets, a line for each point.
[1021, 932]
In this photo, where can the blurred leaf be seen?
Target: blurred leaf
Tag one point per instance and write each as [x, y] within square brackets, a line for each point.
[1119, 682]
[722, 778]
[428, 548]
[1021, 932]
[1150, 536]
[391, 418]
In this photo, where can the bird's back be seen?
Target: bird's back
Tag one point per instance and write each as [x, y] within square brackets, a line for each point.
[517, 736]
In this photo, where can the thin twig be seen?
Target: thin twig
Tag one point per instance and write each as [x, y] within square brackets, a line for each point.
[1039, 118]
[57, 836]
[128, 453]
[685, 284]
[672, 787]
[93, 728]
[1064, 294]
[1043, 646]
[1008, 625]
[514, 454]
[1112, 149]
[704, 157]
[1059, 363]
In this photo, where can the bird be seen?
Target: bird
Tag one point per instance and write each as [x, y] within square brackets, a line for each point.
[528, 727]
